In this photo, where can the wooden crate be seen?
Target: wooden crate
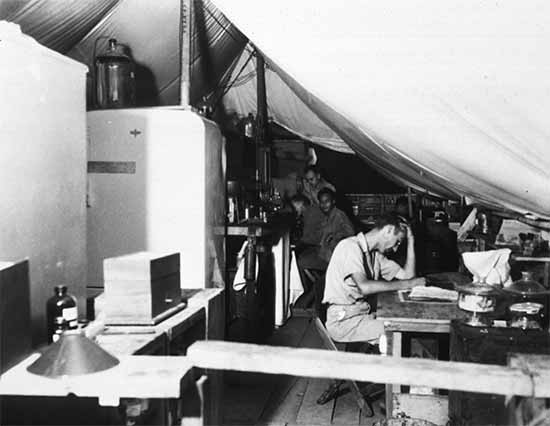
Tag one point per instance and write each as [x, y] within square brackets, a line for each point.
[141, 288]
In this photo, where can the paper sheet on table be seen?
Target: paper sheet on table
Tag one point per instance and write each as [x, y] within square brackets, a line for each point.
[434, 293]
[490, 267]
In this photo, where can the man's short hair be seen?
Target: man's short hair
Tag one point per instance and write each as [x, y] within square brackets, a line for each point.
[392, 219]
[326, 191]
[312, 168]
[299, 198]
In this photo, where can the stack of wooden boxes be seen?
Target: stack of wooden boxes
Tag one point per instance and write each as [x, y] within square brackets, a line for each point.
[142, 288]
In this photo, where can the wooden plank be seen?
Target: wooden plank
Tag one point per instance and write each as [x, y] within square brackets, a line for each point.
[244, 404]
[310, 412]
[271, 397]
[292, 334]
[288, 391]
[531, 258]
[346, 411]
[284, 407]
[434, 408]
[378, 369]
[419, 326]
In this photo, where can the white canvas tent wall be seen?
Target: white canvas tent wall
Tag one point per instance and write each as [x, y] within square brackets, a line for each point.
[450, 97]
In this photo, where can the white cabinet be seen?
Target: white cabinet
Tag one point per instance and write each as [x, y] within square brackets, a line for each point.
[42, 167]
[156, 183]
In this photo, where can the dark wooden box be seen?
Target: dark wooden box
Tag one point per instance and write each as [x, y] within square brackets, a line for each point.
[15, 318]
[488, 345]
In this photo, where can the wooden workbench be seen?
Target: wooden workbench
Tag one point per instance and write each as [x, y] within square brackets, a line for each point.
[143, 376]
[205, 306]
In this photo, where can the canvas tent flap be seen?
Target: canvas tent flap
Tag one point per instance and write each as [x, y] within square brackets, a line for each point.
[284, 106]
[443, 96]
[449, 97]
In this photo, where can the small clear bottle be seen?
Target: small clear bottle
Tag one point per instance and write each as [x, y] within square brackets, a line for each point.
[61, 306]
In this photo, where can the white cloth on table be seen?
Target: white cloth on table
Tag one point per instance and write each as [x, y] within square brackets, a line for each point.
[285, 296]
[490, 266]
[238, 280]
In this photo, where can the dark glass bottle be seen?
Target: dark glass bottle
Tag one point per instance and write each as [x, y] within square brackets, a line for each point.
[61, 306]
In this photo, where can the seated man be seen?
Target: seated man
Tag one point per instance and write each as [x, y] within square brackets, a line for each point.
[358, 270]
[313, 183]
[308, 219]
[440, 246]
[335, 226]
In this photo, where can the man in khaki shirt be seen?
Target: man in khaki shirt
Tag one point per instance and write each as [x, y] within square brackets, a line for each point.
[358, 270]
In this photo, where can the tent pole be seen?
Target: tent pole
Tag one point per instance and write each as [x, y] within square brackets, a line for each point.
[409, 198]
[186, 14]
[262, 133]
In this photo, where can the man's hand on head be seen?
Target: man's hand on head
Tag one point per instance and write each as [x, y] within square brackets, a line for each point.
[410, 235]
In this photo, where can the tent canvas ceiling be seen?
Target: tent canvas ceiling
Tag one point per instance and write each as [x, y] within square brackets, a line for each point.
[447, 96]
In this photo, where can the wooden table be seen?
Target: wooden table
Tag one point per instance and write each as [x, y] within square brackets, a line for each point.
[415, 317]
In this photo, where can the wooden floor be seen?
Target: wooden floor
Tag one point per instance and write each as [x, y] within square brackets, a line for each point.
[258, 399]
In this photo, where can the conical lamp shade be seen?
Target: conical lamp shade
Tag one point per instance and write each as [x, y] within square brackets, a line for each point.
[73, 354]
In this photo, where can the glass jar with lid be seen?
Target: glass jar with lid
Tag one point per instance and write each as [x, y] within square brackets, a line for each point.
[115, 77]
[526, 315]
[479, 300]
[526, 289]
